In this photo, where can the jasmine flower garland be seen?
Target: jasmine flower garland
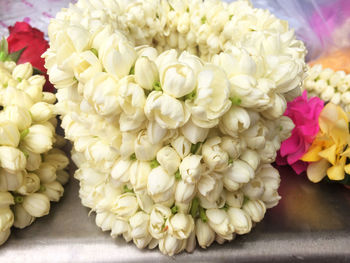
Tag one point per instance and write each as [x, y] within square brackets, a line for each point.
[329, 85]
[31, 165]
[175, 112]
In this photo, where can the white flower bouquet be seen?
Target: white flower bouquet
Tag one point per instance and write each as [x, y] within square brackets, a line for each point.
[31, 165]
[175, 112]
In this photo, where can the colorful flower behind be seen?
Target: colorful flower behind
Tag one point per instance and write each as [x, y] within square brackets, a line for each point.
[304, 112]
[320, 140]
[31, 42]
[329, 152]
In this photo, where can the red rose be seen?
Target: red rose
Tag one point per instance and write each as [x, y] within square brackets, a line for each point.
[22, 35]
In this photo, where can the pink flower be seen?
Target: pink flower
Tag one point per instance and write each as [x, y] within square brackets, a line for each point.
[304, 114]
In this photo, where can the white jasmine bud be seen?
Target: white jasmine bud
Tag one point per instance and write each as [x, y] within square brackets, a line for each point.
[53, 190]
[146, 72]
[240, 220]
[160, 185]
[22, 218]
[6, 199]
[57, 158]
[234, 199]
[219, 221]
[31, 184]
[22, 71]
[12, 159]
[255, 209]
[36, 204]
[39, 139]
[181, 225]
[4, 235]
[46, 173]
[254, 189]
[41, 112]
[18, 115]
[191, 168]
[10, 181]
[213, 154]
[9, 134]
[205, 234]
[62, 177]
[105, 220]
[168, 159]
[194, 133]
[33, 161]
[6, 218]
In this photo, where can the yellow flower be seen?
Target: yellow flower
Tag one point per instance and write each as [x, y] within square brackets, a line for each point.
[329, 150]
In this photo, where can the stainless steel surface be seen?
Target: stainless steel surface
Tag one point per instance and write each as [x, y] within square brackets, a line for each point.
[311, 223]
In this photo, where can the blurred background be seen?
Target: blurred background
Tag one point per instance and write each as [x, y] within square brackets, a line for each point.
[322, 24]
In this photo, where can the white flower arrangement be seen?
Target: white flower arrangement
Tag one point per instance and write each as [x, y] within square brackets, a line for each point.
[329, 85]
[175, 112]
[31, 165]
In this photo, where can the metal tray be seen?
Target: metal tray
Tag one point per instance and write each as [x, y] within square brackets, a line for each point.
[311, 223]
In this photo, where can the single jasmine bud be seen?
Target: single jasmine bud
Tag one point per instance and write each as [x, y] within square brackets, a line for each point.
[6, 199]
[22, 71]
[36, 204]
[4, 235]
[62, 177]
[9, 134]
[6, 218]
[41, 112]
[22, 218]
[146, 73]
[54, 191]
[31, 184]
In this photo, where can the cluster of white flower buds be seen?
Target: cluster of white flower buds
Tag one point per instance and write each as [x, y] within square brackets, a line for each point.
[329, 85]
[31, 166]
[175, 111]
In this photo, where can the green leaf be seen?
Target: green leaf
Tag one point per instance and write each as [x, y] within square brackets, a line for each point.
[156, 86]
[174, 210]
[236, 101]
[202, 214]
[154, 163]
[4, 47]
[178, 175]
[127, 190]
[132, 70]
[225, 207]
[42, 188]
[14, 56]
[195, 147]
[191, 96]
[245, 200]
[194, 207]
[18, 199]
[24, 133]
[3, 56]
[133, 157]
[37, 71]
[94, 50]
